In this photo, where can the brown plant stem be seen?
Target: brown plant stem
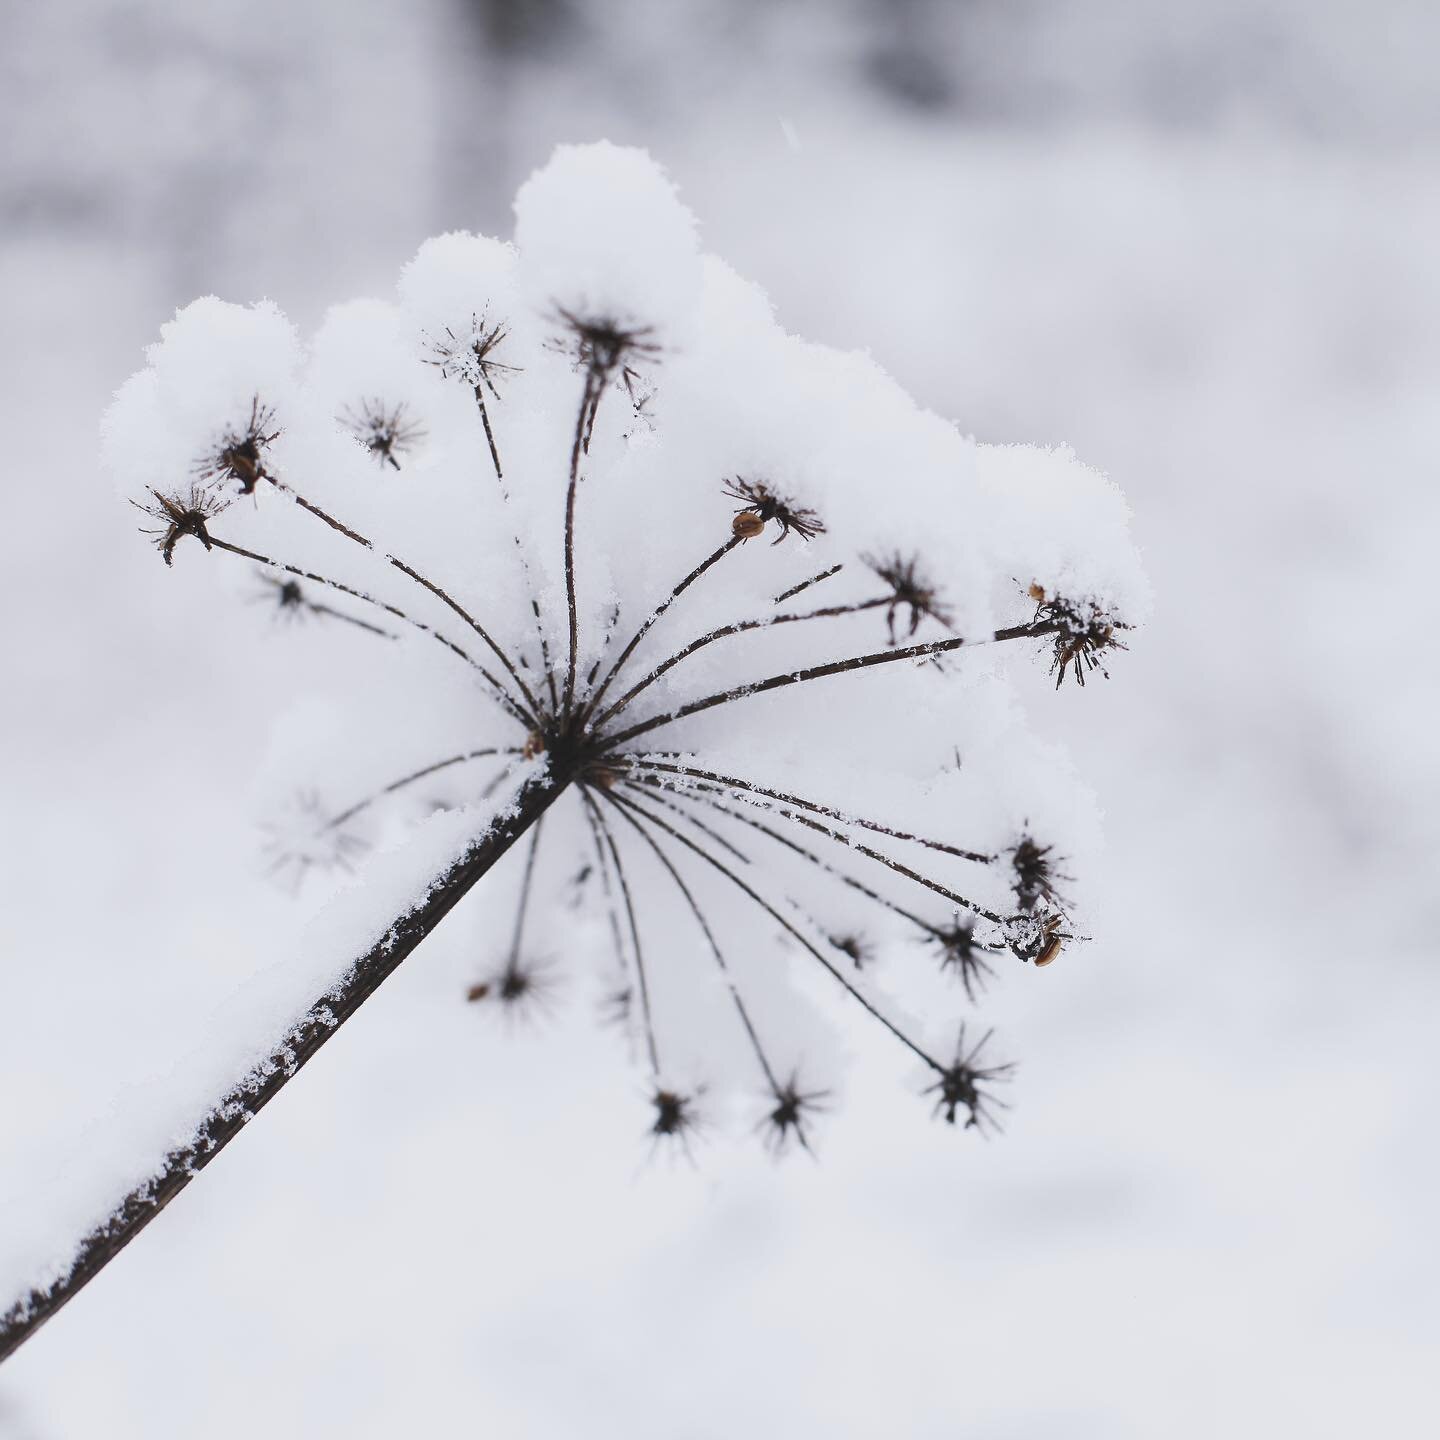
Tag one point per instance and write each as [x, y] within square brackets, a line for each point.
[819, 672]
[230, 1115]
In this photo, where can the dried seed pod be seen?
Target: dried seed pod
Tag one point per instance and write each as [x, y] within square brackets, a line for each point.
[746, 525]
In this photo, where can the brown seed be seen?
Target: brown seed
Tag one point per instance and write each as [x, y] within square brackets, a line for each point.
[747, 525]
[534, 745]
[1037, 592]
[478, 992]
[1050, 954]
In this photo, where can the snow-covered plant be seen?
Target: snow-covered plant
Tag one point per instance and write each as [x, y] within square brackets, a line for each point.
[720, 623]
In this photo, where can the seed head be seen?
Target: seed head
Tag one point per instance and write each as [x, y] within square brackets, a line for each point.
[761, 505]
[789, 1115]
[240, 455]
[960, 1085]
[469, 355]
[387, 432]
[909, 589]
[182, 514]
[1084, 631]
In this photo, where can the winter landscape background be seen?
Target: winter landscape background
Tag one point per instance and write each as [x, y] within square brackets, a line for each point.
[1195, 242]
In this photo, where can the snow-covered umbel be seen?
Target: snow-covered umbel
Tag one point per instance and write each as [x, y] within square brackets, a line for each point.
[740, 607]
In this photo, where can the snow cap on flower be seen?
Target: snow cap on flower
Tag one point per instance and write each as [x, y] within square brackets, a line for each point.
[603, 236]
[1051, 521]
[217, 370]
[456, 279]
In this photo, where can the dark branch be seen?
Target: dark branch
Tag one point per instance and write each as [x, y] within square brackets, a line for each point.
[255, 1090]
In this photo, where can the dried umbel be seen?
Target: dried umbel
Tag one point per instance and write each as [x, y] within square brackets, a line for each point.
[744, 758]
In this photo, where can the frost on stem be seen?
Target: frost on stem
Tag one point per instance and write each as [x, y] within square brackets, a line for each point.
[748, 775]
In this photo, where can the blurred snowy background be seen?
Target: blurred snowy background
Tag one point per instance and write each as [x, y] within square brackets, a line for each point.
[1196, 241]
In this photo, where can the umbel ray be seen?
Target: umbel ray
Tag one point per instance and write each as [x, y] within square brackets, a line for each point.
[730, 616]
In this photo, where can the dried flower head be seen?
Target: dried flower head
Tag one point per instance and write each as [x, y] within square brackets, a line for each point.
[909, 590]
[962, 953]
[523, 987]
[791, 1111]
[855, 948]
[762, 505]
[469, 354]
[604, 345]
[240, 455]
[386, 431]
[304, 838]
[180, 514]
[1035, 873]
[960, 1085]
[1084, 630]
[675, 1116]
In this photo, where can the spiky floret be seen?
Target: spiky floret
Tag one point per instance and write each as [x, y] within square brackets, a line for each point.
[304, 838]
[1084, 630]
[675, 1115]
[523, 987]
[240, 453]
[605, 344]
[761, 505]
[962, 953]
[1036, 875]
[469, 354]
[960, 1086]
[791, 1110]
[182, 513]
[386, 431]
[855, 948]
[910, 590]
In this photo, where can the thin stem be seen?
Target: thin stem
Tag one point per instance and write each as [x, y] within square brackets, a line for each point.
[314, 607]
[746, 797]
[634, 931]
[709, 934]
[519, 548]
[651, 788]
[411, 779]
[713, 558]
[577, 447]
[437, 591]
[489, 433]
[604, 867]
[739, 627]
[329, 1011]
[819, 672]
[806, 584]
[519, 932]
[784, 925]
[733, 783]
[500, 693]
